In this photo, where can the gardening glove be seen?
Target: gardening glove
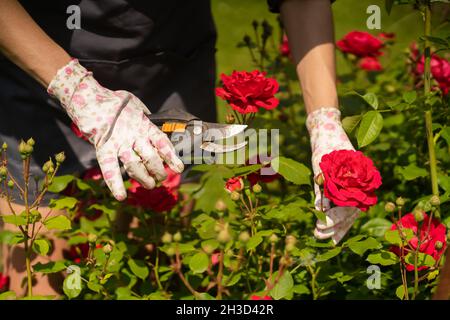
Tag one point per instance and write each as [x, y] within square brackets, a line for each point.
[327, 135]
[116, 123]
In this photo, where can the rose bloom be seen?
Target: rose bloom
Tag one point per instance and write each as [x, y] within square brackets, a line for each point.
[4, 282]
[361, 44]
[159, 199]
[437, 232]
[247, 92]
[350, 179]
[440, 70]
[255, 297]
[234, 184]
[370, 64]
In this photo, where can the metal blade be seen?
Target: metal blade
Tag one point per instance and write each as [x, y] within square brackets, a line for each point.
[217, 131]
[218, 148]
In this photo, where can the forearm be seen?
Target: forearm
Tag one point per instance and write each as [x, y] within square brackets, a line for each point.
[26, 44]
[309, 26]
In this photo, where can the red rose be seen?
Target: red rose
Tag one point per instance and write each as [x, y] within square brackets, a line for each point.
[370, 64]
[350, 179]
[92, 174]
[4, 282]
[77, 131]
[234, 184]
[285, 51]
[255, 297]
[78, 252]
[159, 199]
[361, 44]
[440, 70]
[246, 92]
[436, 233]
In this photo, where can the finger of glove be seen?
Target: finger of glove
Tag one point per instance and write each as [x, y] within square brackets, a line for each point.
[341, 230]
[165, 148]
[141, 105]
[150, 158]
[320, 234]
[109, 166]
[318, 203]
[335, 216]
[136, 170]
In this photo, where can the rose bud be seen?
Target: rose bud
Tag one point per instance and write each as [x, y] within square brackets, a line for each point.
[224, 236]
[31, 142]
[10, 184]
[418, 215]
[438, 245]
[60, 157]
[389, 207]
[319, 179]
[273, 238]
[166, 238]
[400, 201]
[4, 146]
[230, 119]
[3, 171]
[257, 188]
[92, 238]
[177, 237]
[221, 205]
[170, 251]
[435, 201]
[235, 196]
[107, 249]
[244, 236]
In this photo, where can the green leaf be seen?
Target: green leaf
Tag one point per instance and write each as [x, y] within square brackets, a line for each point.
[412, 172]
[245, 170]
[291, 170]
[199, 262]
[60, 222]
[423, 259]
[72, 285]
[301, 289]
[253, 242]
[376, 227]
[350, 123]
[139, 268]
[371, 99]
[370, 128]
[360, 247]
[82, 185]
[410, 97]
[436, 40]
[60, 183]
[385, 258]
[329, 254]
[18, 220]
[284, 288]
[8, 295]
[51, 267]
[400, 292]
[393, 237]
[41, 246]
[63, 203]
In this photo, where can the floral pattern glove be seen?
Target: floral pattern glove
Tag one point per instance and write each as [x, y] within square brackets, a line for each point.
[115, 122]
[327, 135]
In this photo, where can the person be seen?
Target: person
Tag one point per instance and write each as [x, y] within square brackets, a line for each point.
[129, 58]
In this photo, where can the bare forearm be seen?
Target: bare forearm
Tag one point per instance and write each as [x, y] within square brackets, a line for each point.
[27, 45]
[309, 26]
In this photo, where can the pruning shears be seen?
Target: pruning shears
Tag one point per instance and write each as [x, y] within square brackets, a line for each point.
[187, 131]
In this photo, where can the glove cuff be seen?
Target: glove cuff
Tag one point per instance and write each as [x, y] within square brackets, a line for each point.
[318, 117]
[66, 82]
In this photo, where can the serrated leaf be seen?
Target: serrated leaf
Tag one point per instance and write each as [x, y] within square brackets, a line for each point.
[371, 99]
[400, 292]
[60, 183]
[384, 258]
[423, 259]
[409, 97]
[329, 254]
[370, 128]
[41, 246]
[63, 203]
[253, 242]
[51, 267]
[60, 222]
[8, 295]
[138, 268]
[350, 123]
[284, 287]
[360, 247]
[412, 172]
[17, 220]
[199, 262]
[291, 170]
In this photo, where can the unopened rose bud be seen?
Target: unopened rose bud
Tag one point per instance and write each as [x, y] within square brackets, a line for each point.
[291, 240]
[10, 184]
[400, 201]
[177, 237]
[435, 201]
[389, 88]
[224, 236]
[166, 238]
[4, 146]
[107, 249]
[438, 245]
[257, 188]
[3, 171]
[235, 196]
[319, 180]
[31, 142]
[28, 149]
[22, 147]
[230, 119]
[418, 215]
[92, 238]
[289, 247]
[46, 167]
[60, 157]
[273, 238]
[389, 207]
[170, 251]
[244, 236]
[221, 205]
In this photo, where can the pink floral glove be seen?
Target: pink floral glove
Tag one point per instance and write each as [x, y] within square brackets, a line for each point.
[115, 122]
[327, 135]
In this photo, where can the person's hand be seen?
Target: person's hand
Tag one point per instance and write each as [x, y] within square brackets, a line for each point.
[327, 135]
[115, 122]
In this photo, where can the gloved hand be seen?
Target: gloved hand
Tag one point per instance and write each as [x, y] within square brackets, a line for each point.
[327, 135]
[115, 122]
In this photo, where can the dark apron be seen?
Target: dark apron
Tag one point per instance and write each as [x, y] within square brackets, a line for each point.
[162, 51]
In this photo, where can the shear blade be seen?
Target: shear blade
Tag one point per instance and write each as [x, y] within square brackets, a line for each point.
[217, 131]
[218, 148]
